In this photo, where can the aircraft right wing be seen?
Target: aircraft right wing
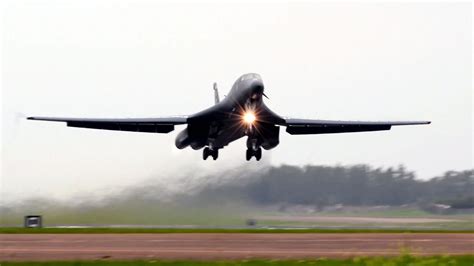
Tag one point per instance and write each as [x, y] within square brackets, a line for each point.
[310, 126]
[150, 125]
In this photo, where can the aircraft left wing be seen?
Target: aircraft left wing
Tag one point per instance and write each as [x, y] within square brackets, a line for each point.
[150, 125]
[310, 126]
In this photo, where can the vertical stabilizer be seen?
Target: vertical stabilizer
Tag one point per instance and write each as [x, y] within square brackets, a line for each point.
[216, 94]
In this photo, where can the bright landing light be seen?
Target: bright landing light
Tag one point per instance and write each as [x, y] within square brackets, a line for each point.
[249, 118]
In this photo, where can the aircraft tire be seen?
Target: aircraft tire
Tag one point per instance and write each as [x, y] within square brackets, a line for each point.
[248, 154]
[258, 154]
[205, 153]
[215, 154]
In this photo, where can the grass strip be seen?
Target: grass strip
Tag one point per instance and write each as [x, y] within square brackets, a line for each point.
[467, 260]
[100, 230]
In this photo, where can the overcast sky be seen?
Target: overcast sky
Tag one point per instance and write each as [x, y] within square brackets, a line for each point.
[143, 59]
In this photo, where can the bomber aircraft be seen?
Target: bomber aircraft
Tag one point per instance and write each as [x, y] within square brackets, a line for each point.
[241, 113]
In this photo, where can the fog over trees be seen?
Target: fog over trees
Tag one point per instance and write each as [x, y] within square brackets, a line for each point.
[359, 185]
[226, 197]
[319, 186]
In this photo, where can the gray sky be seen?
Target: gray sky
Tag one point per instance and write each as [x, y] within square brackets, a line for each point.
[142, 59]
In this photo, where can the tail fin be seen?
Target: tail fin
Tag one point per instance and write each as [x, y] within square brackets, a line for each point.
[216, 94]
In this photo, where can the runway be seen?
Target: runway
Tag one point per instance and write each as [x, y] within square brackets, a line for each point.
[32, 247]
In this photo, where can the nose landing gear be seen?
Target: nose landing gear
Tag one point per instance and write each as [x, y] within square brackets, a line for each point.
[251, 153]
[208, 152]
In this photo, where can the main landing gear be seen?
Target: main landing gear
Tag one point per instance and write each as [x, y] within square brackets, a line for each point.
[251, 153]
[253, 149]
[208, 152]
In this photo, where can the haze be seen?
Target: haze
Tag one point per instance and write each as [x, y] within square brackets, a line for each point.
[145, 59]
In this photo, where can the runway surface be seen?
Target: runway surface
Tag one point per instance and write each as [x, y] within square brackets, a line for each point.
[227, 246]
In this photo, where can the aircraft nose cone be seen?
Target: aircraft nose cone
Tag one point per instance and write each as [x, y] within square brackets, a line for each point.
[257, 87]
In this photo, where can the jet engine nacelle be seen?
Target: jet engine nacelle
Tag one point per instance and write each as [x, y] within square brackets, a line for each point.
[272, 137]
[196, 145]
[183, 140]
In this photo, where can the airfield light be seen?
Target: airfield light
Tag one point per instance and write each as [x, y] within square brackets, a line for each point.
[249, 118]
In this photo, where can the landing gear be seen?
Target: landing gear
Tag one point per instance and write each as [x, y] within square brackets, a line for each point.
[251, 153]
[258, 154]
[253, 149]
[208, 152]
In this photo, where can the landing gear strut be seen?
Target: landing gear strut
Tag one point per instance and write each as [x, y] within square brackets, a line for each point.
[251, 153]
[208, 152]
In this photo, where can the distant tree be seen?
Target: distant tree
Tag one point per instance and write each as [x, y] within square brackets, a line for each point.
[350, 185]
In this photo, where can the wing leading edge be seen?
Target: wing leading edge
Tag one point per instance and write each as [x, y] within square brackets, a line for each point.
[149, 125]
[309, 126]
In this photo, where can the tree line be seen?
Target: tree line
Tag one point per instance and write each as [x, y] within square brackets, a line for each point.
[359, 185]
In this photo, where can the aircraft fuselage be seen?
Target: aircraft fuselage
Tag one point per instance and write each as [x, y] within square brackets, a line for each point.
[241, 113]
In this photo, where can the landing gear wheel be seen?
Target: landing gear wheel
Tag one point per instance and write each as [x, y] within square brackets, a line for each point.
[215, 154]
[208, 152]
[205, 153]
[258, 154]
[251, 153]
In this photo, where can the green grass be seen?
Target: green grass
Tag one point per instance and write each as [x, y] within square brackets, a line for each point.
[18, 230]
[462, 225]
[359, 261]
[212, 214]
[459, 221]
